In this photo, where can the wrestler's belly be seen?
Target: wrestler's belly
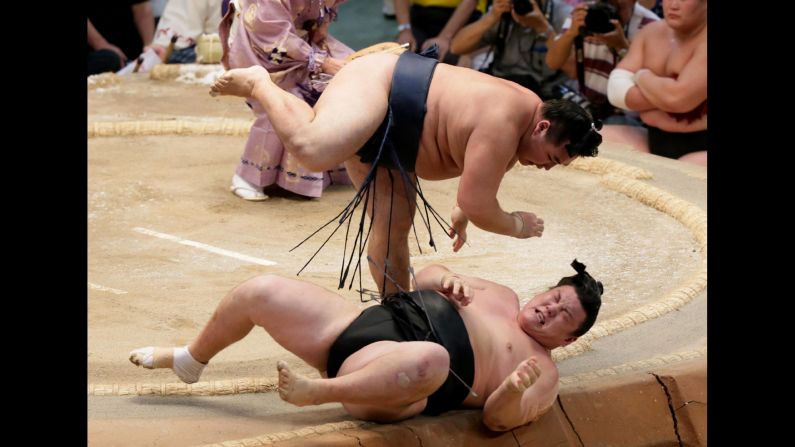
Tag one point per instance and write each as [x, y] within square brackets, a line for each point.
[432, 164]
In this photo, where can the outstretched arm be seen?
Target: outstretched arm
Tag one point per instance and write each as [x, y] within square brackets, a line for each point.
[527, 393]
[490, 150]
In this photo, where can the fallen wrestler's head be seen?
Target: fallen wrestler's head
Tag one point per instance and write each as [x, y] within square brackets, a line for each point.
[560, 315]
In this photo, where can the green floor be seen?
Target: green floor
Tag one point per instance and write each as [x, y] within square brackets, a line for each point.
[361, 23]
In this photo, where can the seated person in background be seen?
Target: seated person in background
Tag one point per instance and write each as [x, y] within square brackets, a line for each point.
[454, 341]
[664, 76]
[117, 31]
[186, 19]
[601, 51]
[518, 40]
[429, 22]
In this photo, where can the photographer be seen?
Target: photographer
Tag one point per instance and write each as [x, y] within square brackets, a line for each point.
[423, 23]
[601, 49]
[517, 33]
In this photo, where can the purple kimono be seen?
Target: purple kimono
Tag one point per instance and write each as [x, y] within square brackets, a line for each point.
[282, 35]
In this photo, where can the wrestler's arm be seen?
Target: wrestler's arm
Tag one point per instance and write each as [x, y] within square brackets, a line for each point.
[456, 287]
[527, 393]
[678, 95]
[633, 62]
[490, 148]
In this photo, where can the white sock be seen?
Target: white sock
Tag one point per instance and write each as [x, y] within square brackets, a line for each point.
[184, 365]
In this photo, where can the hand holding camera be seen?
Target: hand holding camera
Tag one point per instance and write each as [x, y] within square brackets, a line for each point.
[498, 9]
[528, 14]
[615, 39]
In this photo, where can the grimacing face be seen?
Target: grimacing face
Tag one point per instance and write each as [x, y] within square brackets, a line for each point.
[552, 316]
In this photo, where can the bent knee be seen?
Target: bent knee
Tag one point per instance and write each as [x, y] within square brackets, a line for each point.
[305, 148]
[432, 363]
[259, 287]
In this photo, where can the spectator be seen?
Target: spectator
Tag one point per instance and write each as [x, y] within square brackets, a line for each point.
[296, 48]
[117, 32]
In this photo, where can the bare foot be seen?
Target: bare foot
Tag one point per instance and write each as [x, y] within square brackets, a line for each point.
[239, 81]
[294, 388]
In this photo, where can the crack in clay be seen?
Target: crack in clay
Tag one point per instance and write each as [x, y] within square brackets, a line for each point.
[670, 408]
[358, 441]
[415, 434]
[571, 424]
[515, 438]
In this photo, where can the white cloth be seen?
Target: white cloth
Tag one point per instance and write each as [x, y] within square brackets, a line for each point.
[150, 60]
[189, 19]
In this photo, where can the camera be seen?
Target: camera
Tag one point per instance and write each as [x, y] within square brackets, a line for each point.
[522, 7]
[597, 21]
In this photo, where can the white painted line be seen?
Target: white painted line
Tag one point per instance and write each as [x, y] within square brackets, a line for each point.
[206, 247]
[106, 289]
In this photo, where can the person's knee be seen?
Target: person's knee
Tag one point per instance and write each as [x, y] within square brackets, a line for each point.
[261, 287]
[430, 367]
[301, 144]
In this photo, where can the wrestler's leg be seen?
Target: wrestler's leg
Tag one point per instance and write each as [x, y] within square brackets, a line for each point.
[287, 309]
[382, 236]
[348, 112]
[384, 381]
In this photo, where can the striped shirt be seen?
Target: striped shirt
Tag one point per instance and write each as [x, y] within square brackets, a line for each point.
[599, 60]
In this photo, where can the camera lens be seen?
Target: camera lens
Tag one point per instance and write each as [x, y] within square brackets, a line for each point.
[597, 20]
[522, 7]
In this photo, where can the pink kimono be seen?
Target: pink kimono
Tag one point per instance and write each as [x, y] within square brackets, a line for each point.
[282, 35]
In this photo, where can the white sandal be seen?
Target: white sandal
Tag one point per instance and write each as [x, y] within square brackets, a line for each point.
[246, 190]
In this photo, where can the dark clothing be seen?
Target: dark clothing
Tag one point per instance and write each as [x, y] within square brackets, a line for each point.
[676, 144]
[428, 21]
[401, 317]
[411, 81]
[114, 20]
[103, 60]
[183, 56]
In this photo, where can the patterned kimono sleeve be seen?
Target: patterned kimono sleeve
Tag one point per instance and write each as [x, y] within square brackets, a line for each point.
[275, 39]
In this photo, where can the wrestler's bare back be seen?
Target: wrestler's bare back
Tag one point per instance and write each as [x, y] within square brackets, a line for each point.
[459, 101]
